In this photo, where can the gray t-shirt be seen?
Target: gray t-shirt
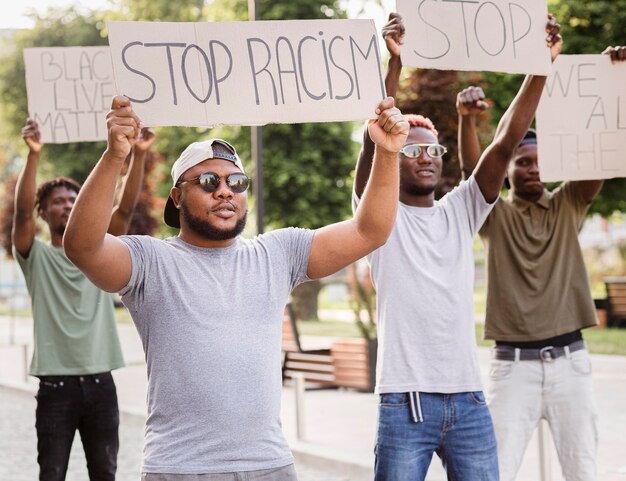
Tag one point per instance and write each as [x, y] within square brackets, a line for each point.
[210, 322]
[424, 278]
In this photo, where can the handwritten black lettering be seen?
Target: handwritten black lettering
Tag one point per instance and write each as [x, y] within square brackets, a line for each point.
[556, 78]
[256, 73]
[476, 29]
[217, 81]
[101, 59]
[462, 2]
[282, 70]
[447, 48]
[604, 150]
[168, 49]
[301, 70]
[332, 60]
[597, 111]
[207, 65]
[582, 79]
[528, 25]
[370, 48]
[138, 72]
[50, 70]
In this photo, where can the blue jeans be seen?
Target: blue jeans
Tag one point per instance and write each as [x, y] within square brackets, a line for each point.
[457, 427]
[67, 403]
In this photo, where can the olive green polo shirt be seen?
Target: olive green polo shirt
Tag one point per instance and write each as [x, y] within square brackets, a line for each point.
[537, 284]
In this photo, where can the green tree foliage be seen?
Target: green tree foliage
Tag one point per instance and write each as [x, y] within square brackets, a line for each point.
[307, 167]
[432, 93]
[588, 27]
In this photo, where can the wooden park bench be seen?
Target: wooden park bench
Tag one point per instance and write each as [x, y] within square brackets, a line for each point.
[615, 301]
[315, 365]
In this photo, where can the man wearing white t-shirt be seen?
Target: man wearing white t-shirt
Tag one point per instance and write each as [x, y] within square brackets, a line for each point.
[428, 376]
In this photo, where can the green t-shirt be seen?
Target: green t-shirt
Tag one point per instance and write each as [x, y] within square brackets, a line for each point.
[75, 330]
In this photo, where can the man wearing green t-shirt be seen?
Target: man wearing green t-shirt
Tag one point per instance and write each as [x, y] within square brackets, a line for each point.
[76, 343]
[538, 301]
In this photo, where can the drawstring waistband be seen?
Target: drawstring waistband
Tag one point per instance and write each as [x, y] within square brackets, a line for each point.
[416, 407]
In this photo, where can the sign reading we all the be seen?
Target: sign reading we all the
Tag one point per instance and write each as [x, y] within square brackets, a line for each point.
[581, 120]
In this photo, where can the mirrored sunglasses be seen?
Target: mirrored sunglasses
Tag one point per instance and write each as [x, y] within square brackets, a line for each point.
[415, 150]
[210, 181]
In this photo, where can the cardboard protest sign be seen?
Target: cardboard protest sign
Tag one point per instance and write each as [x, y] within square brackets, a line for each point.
[498, 35]
[69, 91]
[248, 73]
[581, 120]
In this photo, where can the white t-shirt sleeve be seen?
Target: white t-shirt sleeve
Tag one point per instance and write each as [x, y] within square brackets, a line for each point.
[468, 198]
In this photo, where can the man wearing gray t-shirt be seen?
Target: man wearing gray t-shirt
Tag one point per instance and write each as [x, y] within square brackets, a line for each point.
[428, 377]
[208, 304]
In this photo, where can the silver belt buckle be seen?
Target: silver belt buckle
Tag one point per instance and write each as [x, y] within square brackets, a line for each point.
[545, 354]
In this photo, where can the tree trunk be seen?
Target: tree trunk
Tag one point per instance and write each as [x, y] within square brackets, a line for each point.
[304, 300]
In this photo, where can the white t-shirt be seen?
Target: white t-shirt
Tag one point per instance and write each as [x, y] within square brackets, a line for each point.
[424, 279]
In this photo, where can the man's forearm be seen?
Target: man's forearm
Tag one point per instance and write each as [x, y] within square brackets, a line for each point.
[392, 78]
[469, 146]
[123, 212]
[91, 213]
[376, 212]
[26, 188]
[518, 117]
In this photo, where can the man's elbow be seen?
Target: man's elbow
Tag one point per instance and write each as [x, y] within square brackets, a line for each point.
[374, 239]
[72, 246]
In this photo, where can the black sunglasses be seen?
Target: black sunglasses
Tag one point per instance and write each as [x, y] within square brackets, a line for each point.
[209, 182]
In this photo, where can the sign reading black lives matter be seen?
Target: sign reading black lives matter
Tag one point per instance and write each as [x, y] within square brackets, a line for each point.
[69, 92]
[248, 73]
[498, 35]
[581, 120]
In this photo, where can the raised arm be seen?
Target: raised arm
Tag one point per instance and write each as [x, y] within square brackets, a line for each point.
[23, 232]
[337, 245]
[590, 188]
[514, 124]
[103, 258]
[123, 212]
[470, 103]
[393, 34]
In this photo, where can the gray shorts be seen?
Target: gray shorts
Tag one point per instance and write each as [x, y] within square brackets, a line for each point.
[284, 473]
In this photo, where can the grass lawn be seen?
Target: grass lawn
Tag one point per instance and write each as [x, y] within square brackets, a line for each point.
[600, 341]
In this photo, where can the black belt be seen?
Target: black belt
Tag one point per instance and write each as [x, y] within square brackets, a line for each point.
[546, 354]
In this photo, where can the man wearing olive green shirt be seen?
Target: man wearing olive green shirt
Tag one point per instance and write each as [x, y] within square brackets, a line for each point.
[538, 301]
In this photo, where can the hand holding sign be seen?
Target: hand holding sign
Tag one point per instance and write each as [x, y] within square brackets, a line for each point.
[617, 54]
[146, 139]
[393, 34]
[123, 128]
[554, 39]
[389, 131]
[32, 136]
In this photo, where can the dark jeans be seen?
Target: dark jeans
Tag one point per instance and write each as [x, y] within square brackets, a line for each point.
[67, 403]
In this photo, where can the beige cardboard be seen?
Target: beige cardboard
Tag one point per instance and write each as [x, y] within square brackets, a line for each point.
[581, 120]
[497, 35]
[203, 74]
[69, 92]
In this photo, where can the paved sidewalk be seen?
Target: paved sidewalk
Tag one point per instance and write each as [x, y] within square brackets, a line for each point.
[340, 424]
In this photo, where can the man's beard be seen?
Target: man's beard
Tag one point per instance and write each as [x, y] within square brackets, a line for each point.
[208, 231]
[413, 189]
[60, 229]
